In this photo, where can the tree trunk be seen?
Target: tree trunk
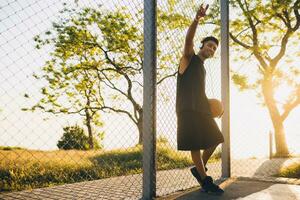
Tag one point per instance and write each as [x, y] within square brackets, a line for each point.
[140, 125]
[140, 128]
[280, 140]
[89, 127]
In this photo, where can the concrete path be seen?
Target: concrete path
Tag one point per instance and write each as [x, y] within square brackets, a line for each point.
[243, 190]
[168, 182]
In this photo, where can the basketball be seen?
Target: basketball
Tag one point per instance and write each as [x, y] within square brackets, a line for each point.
[216, 107]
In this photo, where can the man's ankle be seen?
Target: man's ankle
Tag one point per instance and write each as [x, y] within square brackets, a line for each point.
[202, 175]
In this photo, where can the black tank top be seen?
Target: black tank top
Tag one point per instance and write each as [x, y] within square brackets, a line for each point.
[190, 94]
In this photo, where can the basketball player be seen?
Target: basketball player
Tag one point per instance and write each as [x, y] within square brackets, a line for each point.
[196, 128]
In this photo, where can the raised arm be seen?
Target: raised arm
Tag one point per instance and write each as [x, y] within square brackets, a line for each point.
[188, 50]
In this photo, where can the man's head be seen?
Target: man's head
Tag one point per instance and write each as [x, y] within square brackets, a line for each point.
[209, 46]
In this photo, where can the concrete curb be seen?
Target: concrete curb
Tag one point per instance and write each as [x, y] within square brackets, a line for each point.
[293, 181]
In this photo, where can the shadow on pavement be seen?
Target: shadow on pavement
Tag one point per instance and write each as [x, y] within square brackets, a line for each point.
[238, 189]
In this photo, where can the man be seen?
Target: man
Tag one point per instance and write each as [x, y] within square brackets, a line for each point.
[196, 128]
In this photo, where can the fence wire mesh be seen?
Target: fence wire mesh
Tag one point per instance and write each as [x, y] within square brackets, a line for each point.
[71, 96]
[71, 90]
[173, 23]
[263, 141]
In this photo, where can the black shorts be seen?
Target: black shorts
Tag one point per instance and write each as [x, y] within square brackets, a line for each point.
[197, 131]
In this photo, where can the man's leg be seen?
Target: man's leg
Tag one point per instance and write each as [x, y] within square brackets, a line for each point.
[199, 173]
[197, 159]
[207, 153]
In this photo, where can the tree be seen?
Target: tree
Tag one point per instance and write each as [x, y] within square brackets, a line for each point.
[74, 137]
[263, 30]
[72, 88]
[96, 64]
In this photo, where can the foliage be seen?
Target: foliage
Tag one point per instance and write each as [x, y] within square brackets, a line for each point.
[292, 171]
[74, 137]
[263, 36]
[8, 148]
[96, 63]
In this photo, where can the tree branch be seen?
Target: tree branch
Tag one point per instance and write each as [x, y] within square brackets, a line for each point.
[242, 32]
[255, 51]
[59, 112]
[281, 53]
[297, 15]
[239, 42]
[171, 75]
[119, 111]
[287, 17]
[251, 23]
[288, 33]
[289, 108]
[138, 83]
[112, 85]
[136, 106]
[282, 18]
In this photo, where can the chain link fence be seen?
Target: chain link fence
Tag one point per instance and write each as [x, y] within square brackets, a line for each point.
[71, 100]
[263, 141]
[71, 95]
[177, 17]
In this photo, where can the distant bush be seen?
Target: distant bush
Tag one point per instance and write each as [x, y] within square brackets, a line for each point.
[217, 154]
[74, 137]
[292, 171]
[8, 148]
[162, 139]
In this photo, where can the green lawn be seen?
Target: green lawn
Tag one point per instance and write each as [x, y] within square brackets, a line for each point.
[26, 169]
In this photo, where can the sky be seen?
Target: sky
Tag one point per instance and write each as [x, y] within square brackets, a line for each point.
[22, 20]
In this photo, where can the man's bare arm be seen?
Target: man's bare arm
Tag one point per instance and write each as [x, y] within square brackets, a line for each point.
[188, 50]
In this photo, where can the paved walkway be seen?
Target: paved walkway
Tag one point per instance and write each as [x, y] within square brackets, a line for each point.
[240, 189]
[168, 182]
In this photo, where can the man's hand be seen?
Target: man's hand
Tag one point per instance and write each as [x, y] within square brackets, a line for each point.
[201, 12]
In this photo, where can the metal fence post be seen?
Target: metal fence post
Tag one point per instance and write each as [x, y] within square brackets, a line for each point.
[225, 87]
[270, 145]
[149, 101]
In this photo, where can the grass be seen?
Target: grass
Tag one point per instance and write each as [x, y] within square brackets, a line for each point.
[292, 171]
[8, 148]
[27, 169]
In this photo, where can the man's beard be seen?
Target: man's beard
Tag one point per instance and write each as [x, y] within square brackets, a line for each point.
[208, 55]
